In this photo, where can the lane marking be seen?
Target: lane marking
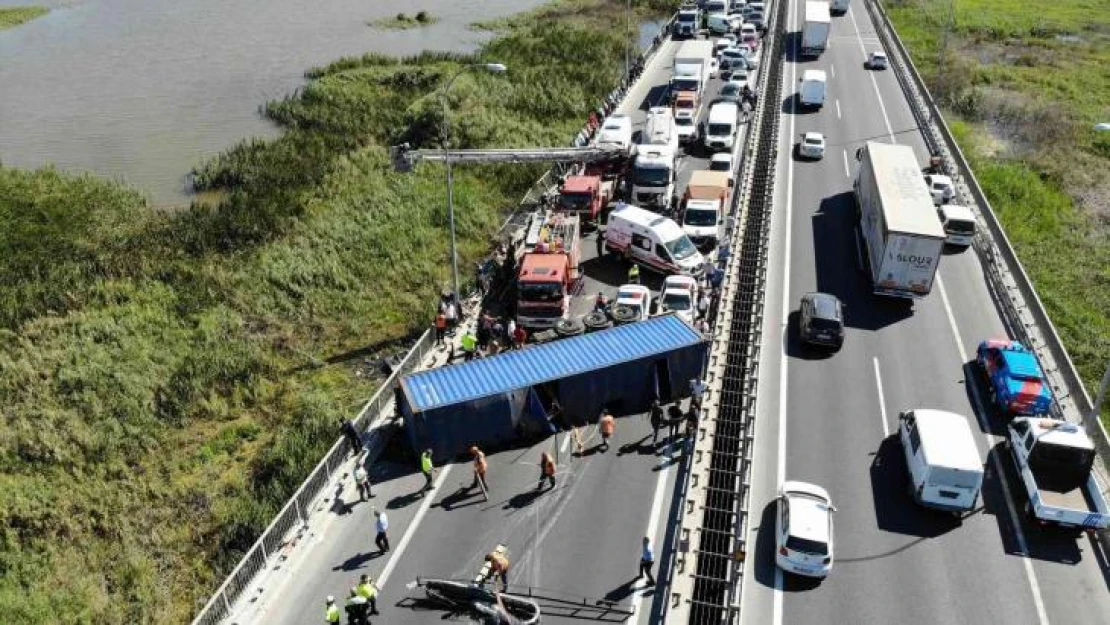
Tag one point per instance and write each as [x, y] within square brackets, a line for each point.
[832, 70]
[400, 549]
[847, 171]
[1015, 521]
[838, 108]
[653, 527]
[874, 84]
[776, 605]
[565, 443]
[882, 398]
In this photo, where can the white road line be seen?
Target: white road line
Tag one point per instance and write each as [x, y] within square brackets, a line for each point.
[847, 171]
[653, 526]
[882, 107]
[1015, 521]
[565, 444]
[427, 503]
[832, 70]
[776, 605]
[882, 398]
[838, 108]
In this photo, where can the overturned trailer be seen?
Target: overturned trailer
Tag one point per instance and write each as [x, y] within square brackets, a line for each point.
[534, 391]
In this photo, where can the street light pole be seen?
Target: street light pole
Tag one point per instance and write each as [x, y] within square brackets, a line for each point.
[444, 139]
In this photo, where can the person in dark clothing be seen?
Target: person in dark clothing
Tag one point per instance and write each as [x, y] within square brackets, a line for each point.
[600, 242]
[358, 610]
[675, 419]
[656, 420]
[348, 430]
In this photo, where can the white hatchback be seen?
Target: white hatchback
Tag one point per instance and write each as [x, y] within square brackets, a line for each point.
[812, 145]
[876, 60]
[804, 530]
[680, 296]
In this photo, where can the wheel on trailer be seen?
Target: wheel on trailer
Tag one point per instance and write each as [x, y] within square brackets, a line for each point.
[595, 321]
[623, 314]
[569, 327]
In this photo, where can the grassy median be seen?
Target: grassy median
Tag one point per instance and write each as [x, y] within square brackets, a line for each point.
[1023, 86]
[169, 378]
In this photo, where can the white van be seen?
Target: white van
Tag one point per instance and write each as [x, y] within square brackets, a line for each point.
[720, 128]
[959, 224]
[616, 132]
[944, 465]
[659, 129]
[651, 240]
[812, 91]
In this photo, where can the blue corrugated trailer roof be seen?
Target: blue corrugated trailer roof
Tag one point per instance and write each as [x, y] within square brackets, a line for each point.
[455, 384]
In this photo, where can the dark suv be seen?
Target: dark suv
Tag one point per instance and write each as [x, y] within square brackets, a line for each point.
[821, 320]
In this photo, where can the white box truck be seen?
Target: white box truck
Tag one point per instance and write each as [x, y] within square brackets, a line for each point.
[811, 93]
[693, 65]
[945, 470]
[901, 233]
[815, 29]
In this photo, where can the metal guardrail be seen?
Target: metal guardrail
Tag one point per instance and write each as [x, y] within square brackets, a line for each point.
[1011, 288]
[373, 414]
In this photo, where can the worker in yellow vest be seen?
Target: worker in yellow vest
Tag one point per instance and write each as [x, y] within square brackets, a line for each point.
[469, 346]
[369, 591]
[634, 274]
[331, 613]
[428, 469]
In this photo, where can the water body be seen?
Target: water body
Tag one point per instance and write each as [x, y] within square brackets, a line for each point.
[142, 90]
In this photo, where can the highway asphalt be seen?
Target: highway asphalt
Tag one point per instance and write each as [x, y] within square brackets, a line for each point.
[581, 539]
[831, 419]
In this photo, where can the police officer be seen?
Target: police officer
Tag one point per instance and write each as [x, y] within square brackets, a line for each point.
[634, 274]
[331, 612]
[356, 609]
[428, 469]
[368, 591]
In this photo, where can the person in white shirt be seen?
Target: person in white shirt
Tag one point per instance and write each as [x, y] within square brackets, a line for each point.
[381, 524]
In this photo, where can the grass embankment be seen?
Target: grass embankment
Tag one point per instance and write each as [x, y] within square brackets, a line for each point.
[1023, 85]
[10, 17]
[402, 21]
[170, 378]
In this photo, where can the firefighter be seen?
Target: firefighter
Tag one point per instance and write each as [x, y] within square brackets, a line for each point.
[547, 470]
[499, 566]
[606, 425]
[480, 467]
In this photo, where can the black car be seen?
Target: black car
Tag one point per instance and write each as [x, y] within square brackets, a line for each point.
[821, 320]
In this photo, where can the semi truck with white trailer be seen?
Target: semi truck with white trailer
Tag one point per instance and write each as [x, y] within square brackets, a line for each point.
[1056, 459]
[693, 65]
[901, 232]
[815, 29]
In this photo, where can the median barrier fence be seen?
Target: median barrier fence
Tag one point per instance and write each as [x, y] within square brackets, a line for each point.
[1022, 310]
[282, 533]
[710, 543]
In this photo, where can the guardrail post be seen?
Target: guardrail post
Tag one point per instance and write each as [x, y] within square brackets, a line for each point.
[227, 605]
[297, 507]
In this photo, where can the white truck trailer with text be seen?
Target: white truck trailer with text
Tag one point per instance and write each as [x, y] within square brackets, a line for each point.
[815, 29]
[902, 234]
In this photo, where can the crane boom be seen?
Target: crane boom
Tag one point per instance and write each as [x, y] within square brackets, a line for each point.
[405, 157]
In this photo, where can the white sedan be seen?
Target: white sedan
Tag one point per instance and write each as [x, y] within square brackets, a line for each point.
[680, 296]
[804, 530]
[812, 146]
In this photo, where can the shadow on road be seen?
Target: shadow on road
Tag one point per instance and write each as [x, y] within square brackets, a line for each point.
[357, 561]
[895, 509]
[838, 265]
[463, 493]
[978, 394]
[1050, 544]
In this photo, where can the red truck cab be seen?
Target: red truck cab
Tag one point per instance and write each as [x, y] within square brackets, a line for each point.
[586, 196]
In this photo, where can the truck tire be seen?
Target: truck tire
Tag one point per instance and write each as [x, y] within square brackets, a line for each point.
[595, 321]
[569, 327]
[623, 314]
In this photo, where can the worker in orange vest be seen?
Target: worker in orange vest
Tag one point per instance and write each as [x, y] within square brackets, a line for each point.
[606, 425]
[499, 567]
[480, 467]
[547, 470]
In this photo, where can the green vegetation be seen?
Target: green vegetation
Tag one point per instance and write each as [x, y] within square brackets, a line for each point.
[404, 22]
[10, 17]
[169, 378]
[1025, 84]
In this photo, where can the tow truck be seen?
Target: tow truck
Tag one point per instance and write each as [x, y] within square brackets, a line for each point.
[1017, 383]
[1055, 460]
